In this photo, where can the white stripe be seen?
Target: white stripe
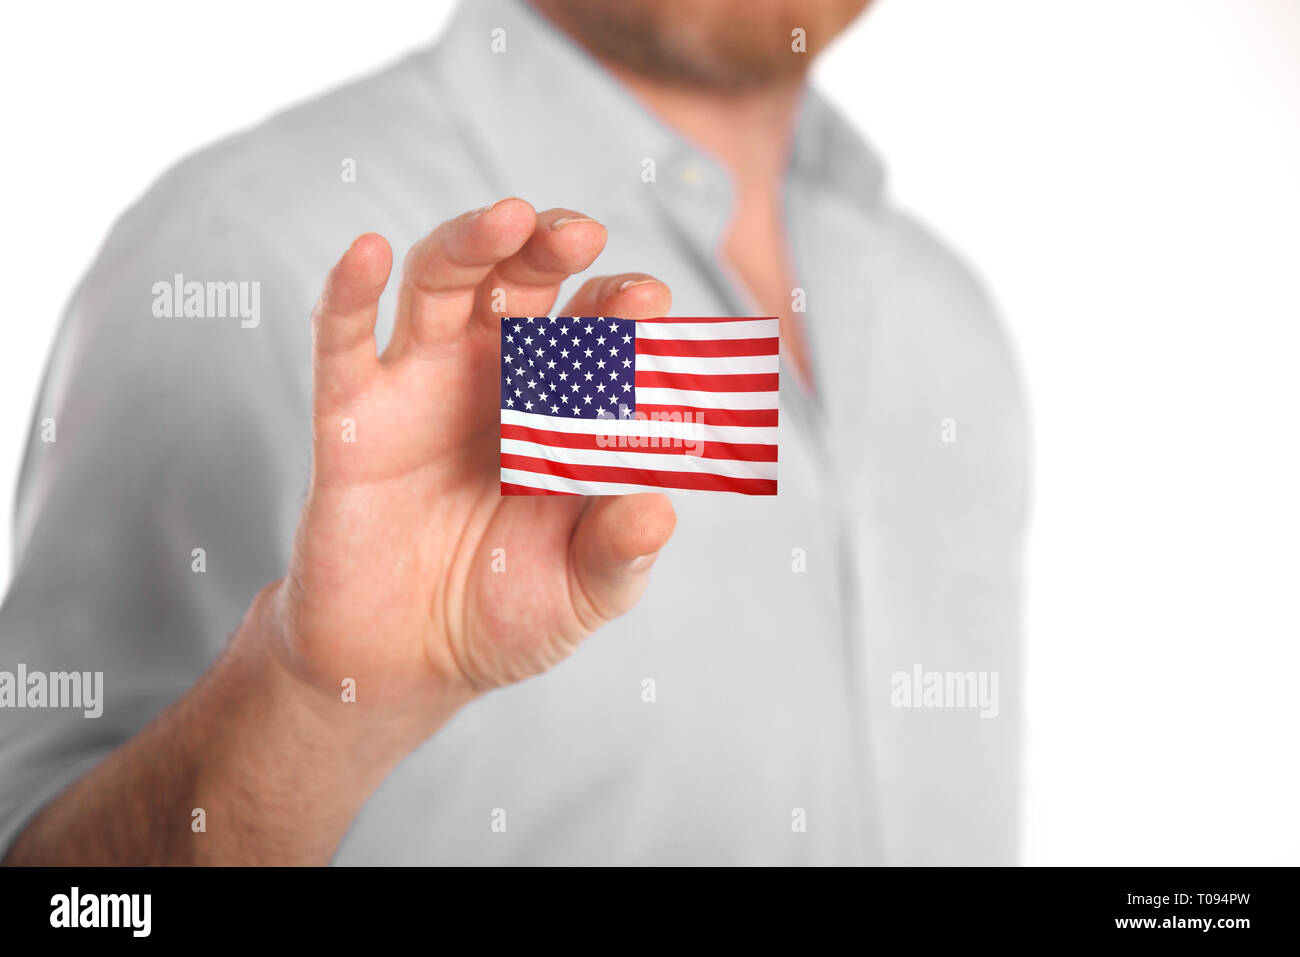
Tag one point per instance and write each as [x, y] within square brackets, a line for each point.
[706, 400]
[703, 331]
[556, 483]
[642, 460]
[763, 435]
[696, 365]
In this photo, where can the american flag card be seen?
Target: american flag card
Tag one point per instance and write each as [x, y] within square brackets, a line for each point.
[596, 405]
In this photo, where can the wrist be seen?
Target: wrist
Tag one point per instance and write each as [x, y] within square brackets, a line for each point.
[350, 722]
[293, 760]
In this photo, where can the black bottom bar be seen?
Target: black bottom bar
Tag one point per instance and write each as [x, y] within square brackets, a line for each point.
[1231, 907]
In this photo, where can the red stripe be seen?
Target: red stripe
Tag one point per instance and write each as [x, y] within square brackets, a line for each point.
[509, 488]
[708, 348]
[742, 382]
[629, 476]
[704, 448]
[707, 319]
[734, 418]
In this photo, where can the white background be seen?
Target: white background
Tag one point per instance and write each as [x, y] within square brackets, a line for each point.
[1126, 175]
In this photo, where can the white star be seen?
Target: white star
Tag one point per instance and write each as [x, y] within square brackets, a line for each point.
[587, 330]
[587, 399]
[627, 338]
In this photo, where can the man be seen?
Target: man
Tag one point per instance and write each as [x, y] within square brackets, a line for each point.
[371, 705]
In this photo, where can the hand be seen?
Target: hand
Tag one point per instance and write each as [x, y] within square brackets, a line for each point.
[391, 581]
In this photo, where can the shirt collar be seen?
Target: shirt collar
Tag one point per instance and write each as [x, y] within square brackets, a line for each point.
[830, 155]
[549, 123]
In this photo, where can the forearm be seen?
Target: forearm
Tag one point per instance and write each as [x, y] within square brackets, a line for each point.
[278, 768]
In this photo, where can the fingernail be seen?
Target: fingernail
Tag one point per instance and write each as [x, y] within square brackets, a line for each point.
[566, 220]
[643, 562]
[490, 206]
[627, 284]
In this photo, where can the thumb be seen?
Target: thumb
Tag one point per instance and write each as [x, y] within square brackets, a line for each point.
[616, 542]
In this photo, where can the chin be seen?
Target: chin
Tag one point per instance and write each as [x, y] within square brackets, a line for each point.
[723, 43]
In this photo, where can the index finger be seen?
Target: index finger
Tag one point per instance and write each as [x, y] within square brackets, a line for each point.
[443, 270]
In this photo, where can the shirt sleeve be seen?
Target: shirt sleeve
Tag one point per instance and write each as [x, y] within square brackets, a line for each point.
[160, 484]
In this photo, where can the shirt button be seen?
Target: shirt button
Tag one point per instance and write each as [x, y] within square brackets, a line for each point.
[692, 175]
